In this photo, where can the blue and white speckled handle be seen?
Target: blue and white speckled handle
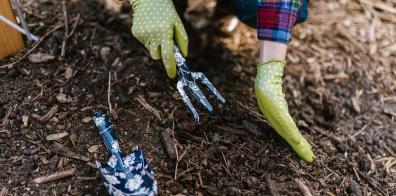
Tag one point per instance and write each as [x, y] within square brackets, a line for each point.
[106, 131]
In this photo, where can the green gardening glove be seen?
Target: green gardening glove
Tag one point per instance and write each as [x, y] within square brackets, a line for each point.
[272, 103]
[157, 25]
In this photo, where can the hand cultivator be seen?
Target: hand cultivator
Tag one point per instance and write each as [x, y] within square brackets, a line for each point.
[123, 175]
[188, 79]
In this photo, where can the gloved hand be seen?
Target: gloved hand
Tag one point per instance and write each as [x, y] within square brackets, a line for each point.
[272, 103]
[156, 25]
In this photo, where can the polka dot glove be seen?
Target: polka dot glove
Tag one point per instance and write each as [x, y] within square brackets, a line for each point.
[157, 26]
[273, 105]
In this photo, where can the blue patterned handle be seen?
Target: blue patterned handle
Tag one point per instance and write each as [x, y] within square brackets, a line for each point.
[188, 79]
[106, 131]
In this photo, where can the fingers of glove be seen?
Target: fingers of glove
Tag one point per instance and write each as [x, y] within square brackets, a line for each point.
[155, 51]
[168, 57]
[181, 38]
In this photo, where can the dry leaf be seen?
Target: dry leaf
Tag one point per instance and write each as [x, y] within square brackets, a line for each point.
[68, 73]
[40, 57]
[93, 148]
[87, 119]
[56, 136]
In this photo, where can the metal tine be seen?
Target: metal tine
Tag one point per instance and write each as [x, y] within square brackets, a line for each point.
[180, 88]
[200, 96]
[205, 81]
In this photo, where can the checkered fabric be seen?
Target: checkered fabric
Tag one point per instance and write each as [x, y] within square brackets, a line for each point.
[276, 18]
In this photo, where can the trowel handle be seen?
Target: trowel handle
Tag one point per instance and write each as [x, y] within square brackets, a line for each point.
[106, 131]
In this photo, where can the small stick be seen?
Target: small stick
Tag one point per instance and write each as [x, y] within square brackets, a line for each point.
[150, 108]
[66, 29]
[303, 188]
[109, 93]
[54, 176]
[74, 25]
[83, 178]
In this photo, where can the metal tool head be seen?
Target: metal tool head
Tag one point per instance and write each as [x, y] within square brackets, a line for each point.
[189, 80]
[123, 175]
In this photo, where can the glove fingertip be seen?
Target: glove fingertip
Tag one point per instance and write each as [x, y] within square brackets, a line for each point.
[170, 68]
[184, 48]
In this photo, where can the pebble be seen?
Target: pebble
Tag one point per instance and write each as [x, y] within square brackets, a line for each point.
[31, 150]
[353, 188]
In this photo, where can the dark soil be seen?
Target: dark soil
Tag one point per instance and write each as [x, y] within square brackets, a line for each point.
[341, 91]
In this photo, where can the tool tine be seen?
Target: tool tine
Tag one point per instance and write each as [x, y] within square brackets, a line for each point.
[204, 80]
[200, 96]
[186, 100]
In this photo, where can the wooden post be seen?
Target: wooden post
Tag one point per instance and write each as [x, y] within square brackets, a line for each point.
[10, 40]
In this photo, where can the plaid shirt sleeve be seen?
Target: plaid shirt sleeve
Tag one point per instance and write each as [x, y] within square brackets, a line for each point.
[276, 18]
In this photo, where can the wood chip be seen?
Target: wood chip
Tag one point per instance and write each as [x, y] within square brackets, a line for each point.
[303, 188]
[169, 144]
[93, 148]
[63, 98]
[4, 191]
[7, 116]
[272, 186]
[56, 136]
[390, 112]
[355, 104]
[54, 176]
[40, 57]
[49, 114]
[25, 120]
[143, 102]
[87, 119]
[68, 73]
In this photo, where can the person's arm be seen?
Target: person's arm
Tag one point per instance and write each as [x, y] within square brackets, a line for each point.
[275, 20]
[270, 50]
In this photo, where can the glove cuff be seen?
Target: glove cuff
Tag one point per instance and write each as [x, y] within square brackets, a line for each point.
[276, 61]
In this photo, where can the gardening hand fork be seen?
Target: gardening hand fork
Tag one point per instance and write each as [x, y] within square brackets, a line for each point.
[188, 79]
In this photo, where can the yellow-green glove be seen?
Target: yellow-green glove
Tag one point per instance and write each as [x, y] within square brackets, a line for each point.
[272, 103]
[156, 25]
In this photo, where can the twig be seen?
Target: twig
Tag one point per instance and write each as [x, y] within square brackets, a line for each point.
[143, 102]
[83, 178]
[66, 29]
[109, 94]
[252, 112]
[54, 176]
[303, 188]
[200, 178]
[74, 25]
[65, 152]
